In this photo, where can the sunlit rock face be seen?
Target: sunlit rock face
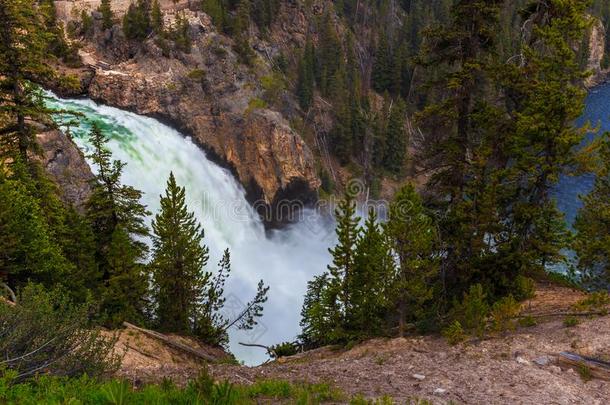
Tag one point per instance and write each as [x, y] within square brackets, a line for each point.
[206, 94]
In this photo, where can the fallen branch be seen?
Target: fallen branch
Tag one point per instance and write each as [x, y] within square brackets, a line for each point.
[598, 368]
[270, 351]
[548, 314]
[171, 343]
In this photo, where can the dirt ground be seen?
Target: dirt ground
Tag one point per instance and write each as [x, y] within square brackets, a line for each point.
[518, 367]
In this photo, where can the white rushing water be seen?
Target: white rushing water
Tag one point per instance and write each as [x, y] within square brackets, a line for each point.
[285, 259]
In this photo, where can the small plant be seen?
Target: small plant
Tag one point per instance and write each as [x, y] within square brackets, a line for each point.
[570, 321]
[254, 104]
[454, 333]
[597, 301]
[528, 321]
[283, 349]
[504, 312]
[585, 373]
[473, 310]
[196, 74]
[525, 288]
[116, 392]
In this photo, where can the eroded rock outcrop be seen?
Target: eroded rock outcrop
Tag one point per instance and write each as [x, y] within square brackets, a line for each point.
[597, 48]
[209, 95]
[66, 165]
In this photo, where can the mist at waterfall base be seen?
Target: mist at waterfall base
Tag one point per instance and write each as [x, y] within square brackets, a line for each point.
[285, 259]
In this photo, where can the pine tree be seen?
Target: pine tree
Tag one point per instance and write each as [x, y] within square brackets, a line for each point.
[156, 18]
[342, 267]
[215, 9]
[412, 237]
[396, 138]
[330, 54]
[179, 259]
[381, 75]
[136, 21]
[28, 249]
[181, 34]
[107, 14]
[316, 314]
[592, 241]
[19, 64]
[306, 76]
[117, 217]
[374, 266]
[211, 325]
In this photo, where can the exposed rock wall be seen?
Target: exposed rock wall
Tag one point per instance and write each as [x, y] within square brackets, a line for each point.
[210, 96]
[66, 165]
[597, 46]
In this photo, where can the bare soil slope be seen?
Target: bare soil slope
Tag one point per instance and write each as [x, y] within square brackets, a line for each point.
[517, 367]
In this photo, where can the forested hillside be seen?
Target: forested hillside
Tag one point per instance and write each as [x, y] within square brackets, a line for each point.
[464, 109]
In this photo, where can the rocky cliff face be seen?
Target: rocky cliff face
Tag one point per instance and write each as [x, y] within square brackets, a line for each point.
[597, 46]
[210, 96]
[66, 165]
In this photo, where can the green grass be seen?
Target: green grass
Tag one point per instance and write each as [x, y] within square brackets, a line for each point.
[203, 390]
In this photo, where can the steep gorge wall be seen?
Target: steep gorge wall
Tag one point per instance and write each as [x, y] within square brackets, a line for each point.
[208, 95]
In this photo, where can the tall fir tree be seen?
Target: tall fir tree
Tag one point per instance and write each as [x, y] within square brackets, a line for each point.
[178, 263]
[117, 217]
[19, 66]
[396, 138]
[107, 15]
[413, 239]
[370, 287]
[306, 76]
[592, 225]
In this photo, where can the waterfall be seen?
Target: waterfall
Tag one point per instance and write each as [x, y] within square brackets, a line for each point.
[285, 259]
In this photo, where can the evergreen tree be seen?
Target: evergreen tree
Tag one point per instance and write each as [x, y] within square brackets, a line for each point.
[28, 249]
[179, 258]
[396, 138]
[156, 18]
[19, 64]
[412, 237]
[316, 315]
[374, 267]
[211, 325]
[342, 267]
[592, 241]
[306, 76]
[330, 54]
[381, 75]
[136, 21]
[107, 14]
[181, 34]
[117, 217]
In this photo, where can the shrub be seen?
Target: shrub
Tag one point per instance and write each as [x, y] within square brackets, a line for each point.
[473, 310]
[596, 301]
[525, 288]
[528, 321]
[284, 349]
[47, 333]
[504, 312]
[454, 333]
[196, 74]
[585, 373]
[570, 321]
[254, 104]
